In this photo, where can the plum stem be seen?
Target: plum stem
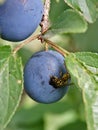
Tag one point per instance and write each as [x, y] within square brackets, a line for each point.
[24, 43]
[57, 48]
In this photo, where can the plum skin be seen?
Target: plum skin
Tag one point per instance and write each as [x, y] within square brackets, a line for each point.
[19, 18]
[37, 72]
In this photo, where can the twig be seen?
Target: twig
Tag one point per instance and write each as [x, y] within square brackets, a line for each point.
[46, 47]
[45, 20]
[27, 41]
[44, 27]
[58, 48]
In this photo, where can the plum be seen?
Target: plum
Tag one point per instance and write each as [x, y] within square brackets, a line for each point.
[37, 75]
[19, 18]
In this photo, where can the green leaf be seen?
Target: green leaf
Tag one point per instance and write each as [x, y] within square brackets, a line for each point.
[76, 125]
[86, 7]
[5, 52]
[69, 22]
[10, 84]
[78, 65]
[54, 8]
[90, 61]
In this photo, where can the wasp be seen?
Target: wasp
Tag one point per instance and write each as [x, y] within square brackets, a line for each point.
[59, 82]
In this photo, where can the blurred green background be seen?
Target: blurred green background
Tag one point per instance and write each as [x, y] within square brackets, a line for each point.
[68, 113]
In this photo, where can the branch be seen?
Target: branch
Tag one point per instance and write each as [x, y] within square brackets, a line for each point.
[45, 20]
[27, 41]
